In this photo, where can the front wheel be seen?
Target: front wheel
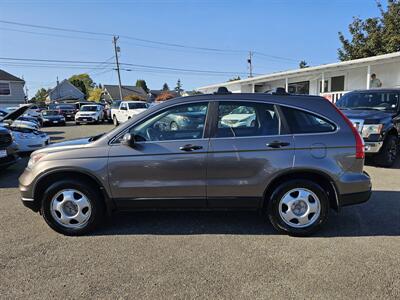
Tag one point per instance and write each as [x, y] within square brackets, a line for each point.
[388, 154]
[298, 207]
[71, 207]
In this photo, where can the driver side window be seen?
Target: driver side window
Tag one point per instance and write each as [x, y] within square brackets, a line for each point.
[177, 123]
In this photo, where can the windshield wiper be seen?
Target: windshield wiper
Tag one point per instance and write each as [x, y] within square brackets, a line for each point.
[365, 107]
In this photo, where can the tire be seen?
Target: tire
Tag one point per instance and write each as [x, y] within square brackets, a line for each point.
[115, 121]
[388, 154]
[85, 205]
[77, 123]
[280, 214]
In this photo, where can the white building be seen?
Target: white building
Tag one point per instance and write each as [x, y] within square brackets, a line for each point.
[338, 78]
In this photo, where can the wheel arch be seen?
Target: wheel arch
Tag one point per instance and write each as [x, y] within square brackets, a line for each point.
[50, 177]
[323, 179]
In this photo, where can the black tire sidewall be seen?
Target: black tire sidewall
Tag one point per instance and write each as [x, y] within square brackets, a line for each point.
[94, 197]
[281, 190]
[382, 158]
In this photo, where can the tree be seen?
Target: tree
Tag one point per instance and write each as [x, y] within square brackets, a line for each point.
[165, 96]
[133, 97]
[235, 78]
[85, 78]
[80, 85]
[142, 83]
[178, 87]
[40, 95]
[95, 94]
[373, 36]
[303, 64]
[165, 87]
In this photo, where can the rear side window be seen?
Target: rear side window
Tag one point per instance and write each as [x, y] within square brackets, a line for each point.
[240, 119]
[303, 122]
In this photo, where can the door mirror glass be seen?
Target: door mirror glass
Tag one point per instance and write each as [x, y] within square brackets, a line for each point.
[128, 140]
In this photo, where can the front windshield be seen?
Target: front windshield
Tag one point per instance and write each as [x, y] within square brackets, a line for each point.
[89, 108]
[137, 105]
[50, 113]
[385, 101]
[65, 107]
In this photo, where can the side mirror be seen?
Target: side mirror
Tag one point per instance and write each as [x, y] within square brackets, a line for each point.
[128, 140]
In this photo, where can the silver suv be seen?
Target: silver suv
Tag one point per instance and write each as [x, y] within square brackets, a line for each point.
[293, 157]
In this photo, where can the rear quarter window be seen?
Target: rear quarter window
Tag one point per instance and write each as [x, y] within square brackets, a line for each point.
[300, 121]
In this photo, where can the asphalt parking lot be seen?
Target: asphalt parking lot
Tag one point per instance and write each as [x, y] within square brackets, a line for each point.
[201, 254]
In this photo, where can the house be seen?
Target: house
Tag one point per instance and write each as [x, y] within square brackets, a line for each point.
[11, 90]
[111, 92]
[337, 78]
[63, 92]
[155, 93]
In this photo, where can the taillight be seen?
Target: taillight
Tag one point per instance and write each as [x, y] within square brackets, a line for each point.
[360, 150]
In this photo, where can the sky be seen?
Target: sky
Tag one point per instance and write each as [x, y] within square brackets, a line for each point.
[280, 32]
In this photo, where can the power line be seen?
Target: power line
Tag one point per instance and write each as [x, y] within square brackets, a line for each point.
[86, 63]
[216, 50]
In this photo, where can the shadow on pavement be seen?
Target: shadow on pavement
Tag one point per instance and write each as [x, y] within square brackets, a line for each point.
[9, 176]
[380, 216]
[53, 132]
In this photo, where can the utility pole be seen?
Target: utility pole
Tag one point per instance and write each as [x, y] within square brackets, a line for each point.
[250, 62]
[116, 50]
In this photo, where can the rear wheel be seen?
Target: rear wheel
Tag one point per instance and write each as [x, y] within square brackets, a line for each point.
[71, 207]
[388, 153]
[298, 207]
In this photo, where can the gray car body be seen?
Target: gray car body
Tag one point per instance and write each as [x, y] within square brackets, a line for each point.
[226, 173]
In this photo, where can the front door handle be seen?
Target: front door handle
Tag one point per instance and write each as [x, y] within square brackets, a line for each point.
[277, 144]
[190, 147]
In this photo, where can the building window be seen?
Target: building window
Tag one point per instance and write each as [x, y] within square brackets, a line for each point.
[5, 88]
[337, 84]
[302, 87]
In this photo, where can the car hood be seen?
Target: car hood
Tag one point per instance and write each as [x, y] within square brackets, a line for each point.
[16, 113]
[368, 116]
[62, 146]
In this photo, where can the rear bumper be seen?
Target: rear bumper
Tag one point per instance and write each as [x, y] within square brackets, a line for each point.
[355, 198]
[355, 190]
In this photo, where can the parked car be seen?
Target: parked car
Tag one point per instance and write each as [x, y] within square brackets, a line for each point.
[140, 165]
[38, 121]
[3, 112]
[8, 149]
[12, 119]
[67, 110]
[53, 117]
[376, 115]
[92, 113]
[126, 110]
[26, 134]
[241, 116]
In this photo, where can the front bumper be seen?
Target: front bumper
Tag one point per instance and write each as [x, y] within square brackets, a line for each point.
[373, 147]
[85, 119]
[26, 189]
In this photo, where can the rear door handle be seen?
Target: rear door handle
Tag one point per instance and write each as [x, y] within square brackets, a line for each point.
[277, 144]
[190, 147]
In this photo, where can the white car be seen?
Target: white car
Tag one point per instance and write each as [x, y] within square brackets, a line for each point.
[29, 140]
[25, 134]
[242, 116]
[126, 110]
[90, 113]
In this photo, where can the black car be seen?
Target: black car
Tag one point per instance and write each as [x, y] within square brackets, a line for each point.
[53, 117]
[8, 149]
[67, 110]
[376, 115]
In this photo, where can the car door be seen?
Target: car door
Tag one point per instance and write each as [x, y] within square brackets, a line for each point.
[248, 146]
[123, 112]
[166, 167]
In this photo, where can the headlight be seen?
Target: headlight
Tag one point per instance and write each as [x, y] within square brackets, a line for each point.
[34, 159]
[46, 120]
[369, 129]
